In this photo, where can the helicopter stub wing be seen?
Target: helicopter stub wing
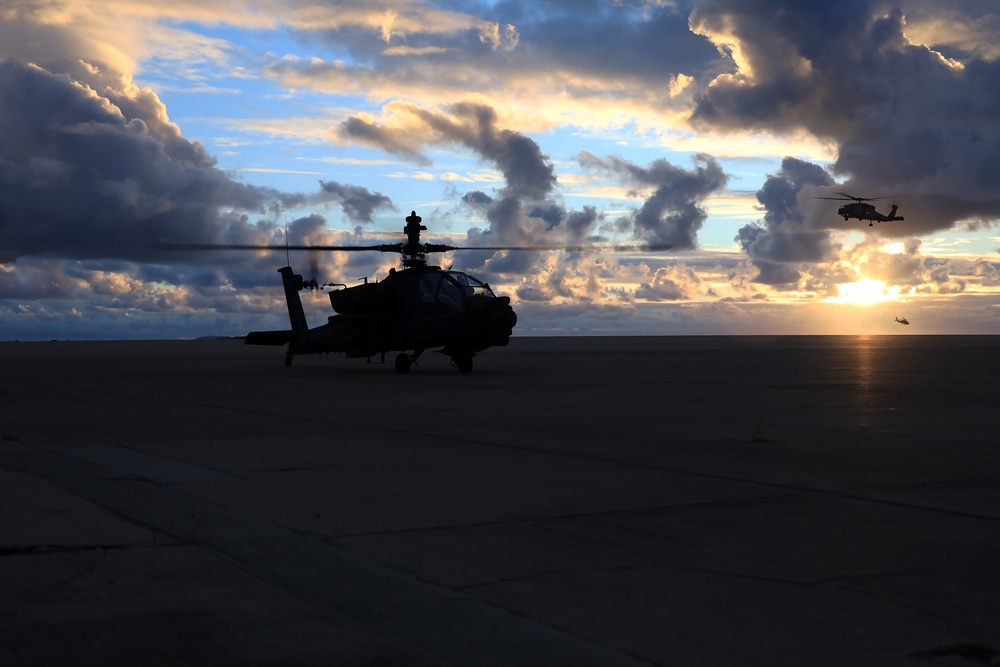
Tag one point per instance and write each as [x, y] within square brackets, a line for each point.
[276, 338]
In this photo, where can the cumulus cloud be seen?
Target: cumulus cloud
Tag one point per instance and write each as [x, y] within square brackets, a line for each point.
[987, 272]
[786, 238]
[676, 282]
[915, 273]
[527, 172]
[89, 170]
[671, 215]
[539, 67]
[908, 121]
[86, 175]
[358, 203]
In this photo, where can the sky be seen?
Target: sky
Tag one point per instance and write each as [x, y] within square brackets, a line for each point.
[712, 126]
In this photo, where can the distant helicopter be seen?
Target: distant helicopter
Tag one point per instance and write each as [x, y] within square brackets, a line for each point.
[902, 321]
[863, 211]
[417, 308]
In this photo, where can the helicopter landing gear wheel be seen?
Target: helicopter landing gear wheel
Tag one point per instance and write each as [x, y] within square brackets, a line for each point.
[463, 364]
[403, 362]
[288, 359]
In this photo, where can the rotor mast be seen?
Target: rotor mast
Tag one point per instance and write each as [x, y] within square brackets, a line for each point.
[414, 252]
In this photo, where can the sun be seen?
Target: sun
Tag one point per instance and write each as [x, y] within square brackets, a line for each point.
[865, 292]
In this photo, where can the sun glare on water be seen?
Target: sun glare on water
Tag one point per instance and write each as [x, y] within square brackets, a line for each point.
[865, 292]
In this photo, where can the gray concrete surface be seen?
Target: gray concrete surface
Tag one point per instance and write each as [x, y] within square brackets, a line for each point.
[574, 501]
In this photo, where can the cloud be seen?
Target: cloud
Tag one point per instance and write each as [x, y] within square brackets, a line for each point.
[909, 122]
[962, 31]
[87, 174]
[915, 273]
[605, 66]
[787, 238]
[527, 172]
[94, 170]
[988, 273]
[358, 203]
[671, 215]
[397, 141]
[676, 282]
[522, 212]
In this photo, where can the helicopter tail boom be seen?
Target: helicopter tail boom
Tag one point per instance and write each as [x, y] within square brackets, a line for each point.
[892, 214]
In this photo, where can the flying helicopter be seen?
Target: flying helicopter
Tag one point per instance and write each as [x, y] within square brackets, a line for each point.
[417, 308]
[862, 211]
[902, 321]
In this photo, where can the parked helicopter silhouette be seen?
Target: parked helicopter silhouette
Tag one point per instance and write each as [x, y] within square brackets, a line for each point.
[862, 211]
[417, 308]
[902, 321]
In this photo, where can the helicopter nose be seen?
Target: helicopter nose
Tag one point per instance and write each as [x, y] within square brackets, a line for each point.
[503, 318]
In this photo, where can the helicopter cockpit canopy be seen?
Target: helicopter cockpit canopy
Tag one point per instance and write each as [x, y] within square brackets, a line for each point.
[471, 286]
[452, 287]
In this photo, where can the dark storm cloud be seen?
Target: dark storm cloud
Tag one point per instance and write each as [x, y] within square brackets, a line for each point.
[597, 48]
[780, 193]
[783, 245]
[357, 203]
[670, 215]
[81, 178]
[676, 282]
[786, 238]
[528, 173]
[581, 223]
[477, 199]
[88, 170]
[619, 40]
[908, 122]
[238, 229]
[771, 273]
[397, 142]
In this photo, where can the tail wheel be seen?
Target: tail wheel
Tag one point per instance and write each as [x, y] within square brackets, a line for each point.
[463, 364]
[288, 359]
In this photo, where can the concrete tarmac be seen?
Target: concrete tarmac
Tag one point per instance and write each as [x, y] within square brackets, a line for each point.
[572, 501]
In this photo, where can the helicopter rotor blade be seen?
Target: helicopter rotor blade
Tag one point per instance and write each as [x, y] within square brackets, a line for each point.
[861, 198]
[847, 197]
[429, 247]
[239, 246]
[575, 248]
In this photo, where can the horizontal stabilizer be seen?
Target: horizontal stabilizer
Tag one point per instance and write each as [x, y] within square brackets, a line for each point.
[268, 338]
